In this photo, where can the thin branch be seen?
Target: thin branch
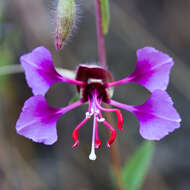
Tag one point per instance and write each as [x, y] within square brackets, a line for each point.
[102, 56]
[115, 157]
[100, 35]
[11, 69]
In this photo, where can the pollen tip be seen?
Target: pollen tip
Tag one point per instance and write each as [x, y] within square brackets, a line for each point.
[98, 144]
[108, 145]
[120, 119]
[76, 144]
[112, 139]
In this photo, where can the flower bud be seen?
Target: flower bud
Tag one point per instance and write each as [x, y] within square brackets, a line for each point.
[65, 19]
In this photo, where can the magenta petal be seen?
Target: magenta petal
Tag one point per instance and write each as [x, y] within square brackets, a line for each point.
[157, 116]
[38, 121]
[39, 70]
[153, 69]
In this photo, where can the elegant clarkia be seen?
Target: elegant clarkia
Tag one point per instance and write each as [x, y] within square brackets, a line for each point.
[157, 116]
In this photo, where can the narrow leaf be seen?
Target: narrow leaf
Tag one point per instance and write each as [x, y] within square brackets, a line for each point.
[105, 12]
[135, 170]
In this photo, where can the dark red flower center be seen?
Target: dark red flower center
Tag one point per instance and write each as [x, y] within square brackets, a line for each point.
[96, 78]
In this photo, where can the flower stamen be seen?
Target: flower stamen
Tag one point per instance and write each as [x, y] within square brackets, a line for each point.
[117, 111]
[76, 133]
[113, 133]
[97, 140]
[88, 115]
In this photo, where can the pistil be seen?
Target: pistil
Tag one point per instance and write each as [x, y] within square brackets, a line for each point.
[92, 155]
[76, 133]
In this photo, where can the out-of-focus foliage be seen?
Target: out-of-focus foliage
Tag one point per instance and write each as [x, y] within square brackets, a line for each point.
[11, 39]
[5, 59]
[135, 169]
[74, 99]
[5, 55]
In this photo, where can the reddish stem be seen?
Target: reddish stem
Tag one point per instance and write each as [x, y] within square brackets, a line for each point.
[115, 157]
[100, 35]
[102, 56]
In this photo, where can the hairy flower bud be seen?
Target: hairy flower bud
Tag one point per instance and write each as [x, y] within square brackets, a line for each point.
[65, 19]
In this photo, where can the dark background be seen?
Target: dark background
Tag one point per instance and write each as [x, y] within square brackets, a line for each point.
[26, 24]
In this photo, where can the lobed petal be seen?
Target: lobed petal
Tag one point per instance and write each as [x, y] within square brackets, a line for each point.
[39, 70]
[38, 121]
[157, 116]
[153, 69]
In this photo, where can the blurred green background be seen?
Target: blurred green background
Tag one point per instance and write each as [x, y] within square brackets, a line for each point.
[26, 24]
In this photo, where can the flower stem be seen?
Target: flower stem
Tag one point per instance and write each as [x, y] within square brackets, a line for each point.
[100, 35]
[102, 56]
[115, 158]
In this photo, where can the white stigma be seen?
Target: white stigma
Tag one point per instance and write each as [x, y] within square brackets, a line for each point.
[92, 155]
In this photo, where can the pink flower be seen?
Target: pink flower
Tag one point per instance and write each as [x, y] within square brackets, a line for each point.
[157, 116]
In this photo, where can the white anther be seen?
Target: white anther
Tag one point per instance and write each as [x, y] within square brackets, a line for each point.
[90, 81]
[97, 111]
[88, 115]
[100, 119]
